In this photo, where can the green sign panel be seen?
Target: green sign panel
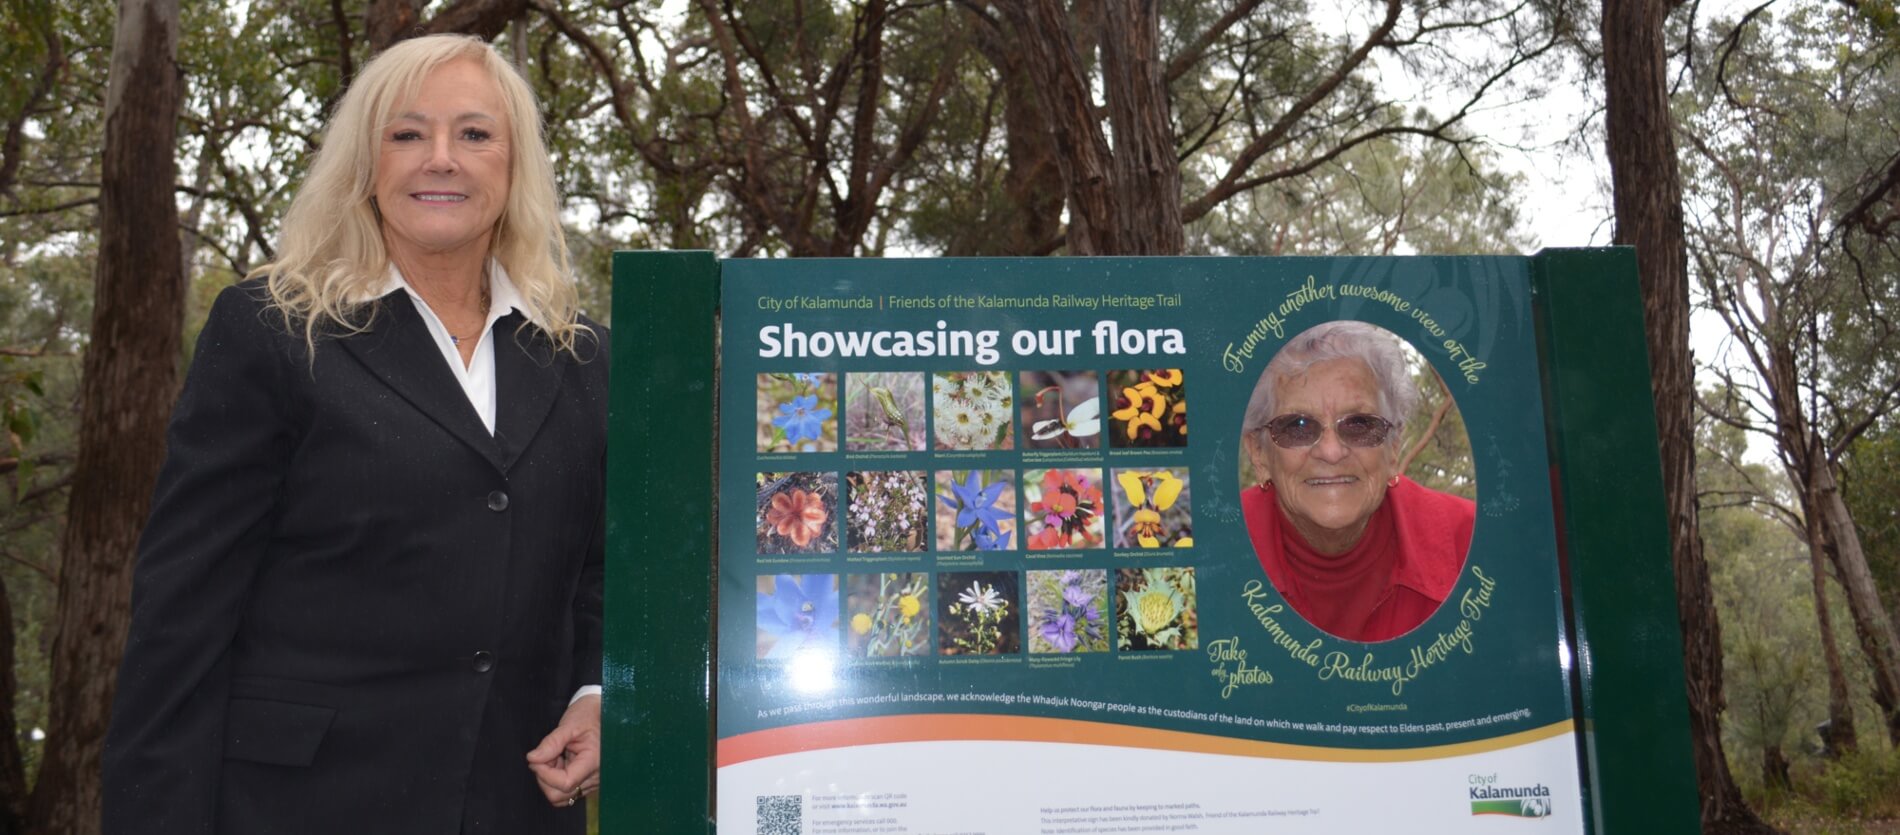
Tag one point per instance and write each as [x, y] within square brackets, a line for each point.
[1102, 545]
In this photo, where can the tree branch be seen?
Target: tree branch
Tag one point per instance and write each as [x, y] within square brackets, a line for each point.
[1195, 51]
[1228, 185]
[1438, 416]
[753, 187]
[50, 210]
[482, 18]
[1852, 431]
[8, 465]
[1729, 45]
[12, 145]
[1860, 215]
[616, 89]
[44, 572]
[345, 62]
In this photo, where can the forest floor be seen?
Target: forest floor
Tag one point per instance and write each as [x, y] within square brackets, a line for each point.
[1816, 824]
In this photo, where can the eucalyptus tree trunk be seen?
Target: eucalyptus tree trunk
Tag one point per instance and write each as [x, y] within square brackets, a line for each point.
[1147, 175]
[1034, 186]
[13, 791]
[1800, 449]
[1873, 624]
[1831, 533]
[1124, 198]
[1647, 183]
[1840, 735]
[130, 380]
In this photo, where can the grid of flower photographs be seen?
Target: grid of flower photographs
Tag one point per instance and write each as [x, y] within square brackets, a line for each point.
[922, 510]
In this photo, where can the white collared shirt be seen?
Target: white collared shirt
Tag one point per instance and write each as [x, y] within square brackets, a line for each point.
[478, 377]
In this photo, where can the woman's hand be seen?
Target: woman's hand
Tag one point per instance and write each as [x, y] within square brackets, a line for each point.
[567, 762]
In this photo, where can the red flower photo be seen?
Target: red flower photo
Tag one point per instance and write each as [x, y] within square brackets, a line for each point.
[797, 513]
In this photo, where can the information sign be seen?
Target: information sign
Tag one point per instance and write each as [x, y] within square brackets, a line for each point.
[1217, 545]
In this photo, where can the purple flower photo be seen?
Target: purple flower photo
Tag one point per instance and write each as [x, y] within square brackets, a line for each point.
[1067, 611]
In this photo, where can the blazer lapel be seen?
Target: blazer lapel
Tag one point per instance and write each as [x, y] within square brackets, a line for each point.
[397, 349]
[528, 374]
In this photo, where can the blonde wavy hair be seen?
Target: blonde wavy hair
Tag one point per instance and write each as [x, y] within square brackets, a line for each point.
[331, 257]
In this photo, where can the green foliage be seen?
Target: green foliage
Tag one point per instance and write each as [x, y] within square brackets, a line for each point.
[1788, 123]
[1774, 676]
[1391, 197]
[45, 303]
[1880, 16]
[1444, 461]
[1862, 784]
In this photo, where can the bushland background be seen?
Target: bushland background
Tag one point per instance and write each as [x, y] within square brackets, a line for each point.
[1748, 151]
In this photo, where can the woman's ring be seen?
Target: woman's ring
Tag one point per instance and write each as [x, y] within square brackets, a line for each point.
[570, 800]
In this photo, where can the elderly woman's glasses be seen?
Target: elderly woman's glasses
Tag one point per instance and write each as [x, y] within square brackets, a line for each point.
[1297, 431]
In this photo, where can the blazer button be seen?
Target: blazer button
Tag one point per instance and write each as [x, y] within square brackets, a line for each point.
[483, 661]
[498, 501]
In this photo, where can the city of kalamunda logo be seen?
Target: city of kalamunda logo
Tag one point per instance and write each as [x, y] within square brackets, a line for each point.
[1490, 798]
[1508, 792]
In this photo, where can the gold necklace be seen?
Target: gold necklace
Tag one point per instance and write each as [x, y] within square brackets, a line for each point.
[457, 340]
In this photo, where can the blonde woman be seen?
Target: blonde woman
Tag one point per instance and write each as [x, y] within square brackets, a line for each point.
[368, 596]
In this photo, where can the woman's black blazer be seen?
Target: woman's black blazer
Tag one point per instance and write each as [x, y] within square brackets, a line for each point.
[354, 609]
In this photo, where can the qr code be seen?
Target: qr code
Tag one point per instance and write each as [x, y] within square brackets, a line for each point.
[781, 814]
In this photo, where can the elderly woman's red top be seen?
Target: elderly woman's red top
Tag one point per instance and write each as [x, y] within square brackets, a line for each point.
[1403, 566]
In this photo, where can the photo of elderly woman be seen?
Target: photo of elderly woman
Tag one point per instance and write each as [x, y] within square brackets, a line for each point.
[1356, 544]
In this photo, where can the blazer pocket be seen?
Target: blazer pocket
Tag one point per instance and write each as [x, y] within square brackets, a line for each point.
[276, 733]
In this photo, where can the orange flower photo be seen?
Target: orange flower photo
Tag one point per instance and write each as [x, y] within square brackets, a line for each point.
[1148, 408]
[797, 513]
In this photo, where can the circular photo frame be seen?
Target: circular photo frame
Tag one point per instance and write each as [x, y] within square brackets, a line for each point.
[1357, 481]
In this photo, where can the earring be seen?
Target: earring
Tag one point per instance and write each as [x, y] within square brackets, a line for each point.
[1392, 482]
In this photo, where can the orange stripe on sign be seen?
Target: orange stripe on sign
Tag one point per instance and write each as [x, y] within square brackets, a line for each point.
[881, 730]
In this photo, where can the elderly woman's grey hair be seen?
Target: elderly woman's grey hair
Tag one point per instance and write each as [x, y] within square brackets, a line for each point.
[1343, 339]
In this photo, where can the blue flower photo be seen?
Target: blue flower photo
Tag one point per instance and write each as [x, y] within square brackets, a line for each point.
[976, 510]
[797, 613]
[798, 412]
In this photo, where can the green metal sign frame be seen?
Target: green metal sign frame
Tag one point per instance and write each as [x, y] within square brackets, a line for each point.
[1621, 629]
[1638, 769]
